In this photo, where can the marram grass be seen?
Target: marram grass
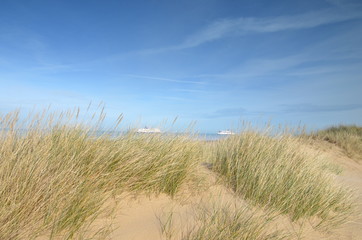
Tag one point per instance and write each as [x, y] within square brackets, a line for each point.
[277, 172]
[232, 224]
[57, 174]
[349, 138]
[55, 181]
[222, 220]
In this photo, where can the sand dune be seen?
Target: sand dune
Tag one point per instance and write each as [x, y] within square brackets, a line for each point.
[68, 184]
[141, 218]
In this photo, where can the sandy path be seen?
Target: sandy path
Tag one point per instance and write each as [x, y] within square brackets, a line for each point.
[138, 220]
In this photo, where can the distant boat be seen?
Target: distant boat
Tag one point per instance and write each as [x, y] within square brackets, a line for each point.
[148, 130]
[225, 132]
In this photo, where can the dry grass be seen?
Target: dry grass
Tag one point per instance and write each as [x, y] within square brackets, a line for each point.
[222, 220]
[277, 172]
[56, 174]
[348, 138]
[228, 222]
[55, 177]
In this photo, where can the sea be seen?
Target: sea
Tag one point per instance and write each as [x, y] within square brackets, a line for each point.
[197, 136]
[115, 134]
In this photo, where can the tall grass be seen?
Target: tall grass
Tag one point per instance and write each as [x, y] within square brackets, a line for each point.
[223, 221]
[56, 176]
[348, 138]
[277, 172]
[233, 224]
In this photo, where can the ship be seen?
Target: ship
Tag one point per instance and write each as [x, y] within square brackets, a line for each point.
[225, 132]
[148, 130]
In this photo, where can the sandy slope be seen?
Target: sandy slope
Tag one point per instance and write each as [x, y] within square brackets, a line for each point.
[140, 219]
[352, 177]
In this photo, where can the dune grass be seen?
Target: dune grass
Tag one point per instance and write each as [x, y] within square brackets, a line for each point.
[56, 176]
[277, 172]
[57, 173]
[233, 224]
[348, 138]
[222, 221]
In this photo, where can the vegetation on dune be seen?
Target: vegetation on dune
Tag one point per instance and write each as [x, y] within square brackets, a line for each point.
[234, 224]
[57, 173]
[348, 138]
[56, 181]
[224, 221]
[276, 172]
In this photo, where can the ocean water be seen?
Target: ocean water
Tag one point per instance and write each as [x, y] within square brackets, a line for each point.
[115, 134]
[198, 136]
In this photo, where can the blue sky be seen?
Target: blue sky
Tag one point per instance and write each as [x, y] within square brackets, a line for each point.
[213, 62]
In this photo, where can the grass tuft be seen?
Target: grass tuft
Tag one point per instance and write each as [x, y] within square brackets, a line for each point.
[349, 138]
[277, 172]
[55, 177]
[224, 221]
[57, 172]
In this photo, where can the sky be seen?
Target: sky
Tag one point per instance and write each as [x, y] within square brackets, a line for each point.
[210, 63]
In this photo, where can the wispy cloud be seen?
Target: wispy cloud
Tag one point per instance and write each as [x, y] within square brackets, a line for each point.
[227, 27]
[339, 53]
[49, 67]
[282, 109]
[312, 108]
[329, 69]
[241, 26]
[161, 79]
[189, 90]
[261, 69]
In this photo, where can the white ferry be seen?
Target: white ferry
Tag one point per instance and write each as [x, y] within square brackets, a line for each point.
[226, 132]
[148, 130]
